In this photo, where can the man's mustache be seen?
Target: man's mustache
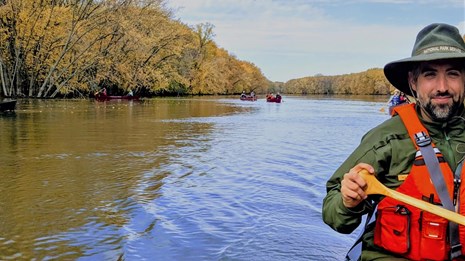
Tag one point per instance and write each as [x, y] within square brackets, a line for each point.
[442, 94]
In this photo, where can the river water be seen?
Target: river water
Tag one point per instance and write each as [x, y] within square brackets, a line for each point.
[211, 178]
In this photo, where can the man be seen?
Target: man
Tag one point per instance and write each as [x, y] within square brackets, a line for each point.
[398, 153]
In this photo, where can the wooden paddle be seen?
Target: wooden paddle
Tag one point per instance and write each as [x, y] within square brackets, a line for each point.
[376, 187]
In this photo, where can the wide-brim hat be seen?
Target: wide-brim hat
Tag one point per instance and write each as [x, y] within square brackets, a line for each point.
[434, 42]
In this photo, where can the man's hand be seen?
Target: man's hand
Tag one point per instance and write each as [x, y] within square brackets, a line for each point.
[352, 186]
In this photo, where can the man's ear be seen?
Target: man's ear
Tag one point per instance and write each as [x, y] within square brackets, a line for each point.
[411, 81]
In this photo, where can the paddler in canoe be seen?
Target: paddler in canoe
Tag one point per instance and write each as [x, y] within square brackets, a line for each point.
[397, 99]
[417, 153]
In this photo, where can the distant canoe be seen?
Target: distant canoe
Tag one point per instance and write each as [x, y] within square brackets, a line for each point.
[274, 99]
[9, 105]
[249, 98]
[103, 97]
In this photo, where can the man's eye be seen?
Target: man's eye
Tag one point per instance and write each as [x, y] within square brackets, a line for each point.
[454, 73]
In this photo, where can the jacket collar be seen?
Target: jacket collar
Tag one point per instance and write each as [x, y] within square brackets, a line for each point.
[456, 123]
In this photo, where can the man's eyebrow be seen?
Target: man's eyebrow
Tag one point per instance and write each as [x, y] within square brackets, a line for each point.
[427, 68]
[455, 67]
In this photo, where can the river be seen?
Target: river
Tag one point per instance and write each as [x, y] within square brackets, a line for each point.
[209, 178]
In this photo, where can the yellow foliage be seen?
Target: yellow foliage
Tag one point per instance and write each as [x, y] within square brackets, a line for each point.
[371, 82]
[74, 47]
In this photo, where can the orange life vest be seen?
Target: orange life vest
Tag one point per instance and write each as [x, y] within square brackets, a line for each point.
[406, 230]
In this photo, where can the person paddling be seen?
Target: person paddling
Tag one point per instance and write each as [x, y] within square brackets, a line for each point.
[419, 152]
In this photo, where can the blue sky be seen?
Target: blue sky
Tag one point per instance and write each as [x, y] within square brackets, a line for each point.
[289, 39]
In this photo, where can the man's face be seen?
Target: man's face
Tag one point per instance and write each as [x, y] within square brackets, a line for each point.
[440, 89]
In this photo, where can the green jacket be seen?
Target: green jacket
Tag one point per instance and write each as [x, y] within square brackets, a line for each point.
[389, 149]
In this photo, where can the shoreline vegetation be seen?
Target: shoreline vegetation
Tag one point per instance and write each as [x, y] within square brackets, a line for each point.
[72, 49]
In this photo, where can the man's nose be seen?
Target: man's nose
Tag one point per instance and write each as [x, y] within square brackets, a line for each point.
[442, 85]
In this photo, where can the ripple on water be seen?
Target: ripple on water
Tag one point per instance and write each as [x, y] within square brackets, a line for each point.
[246, 184]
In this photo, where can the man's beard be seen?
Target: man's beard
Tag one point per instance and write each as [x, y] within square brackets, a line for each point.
[442, 112]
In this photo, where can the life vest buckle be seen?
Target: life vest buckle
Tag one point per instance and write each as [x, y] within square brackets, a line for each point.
[422, 139]
[455, 251]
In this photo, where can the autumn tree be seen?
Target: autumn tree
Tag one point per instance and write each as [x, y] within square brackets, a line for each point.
[372, 82]
[73, 48]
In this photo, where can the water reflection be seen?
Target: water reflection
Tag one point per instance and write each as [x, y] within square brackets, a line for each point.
[173, 179]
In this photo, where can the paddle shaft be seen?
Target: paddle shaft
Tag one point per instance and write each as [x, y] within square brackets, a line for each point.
[376, 187]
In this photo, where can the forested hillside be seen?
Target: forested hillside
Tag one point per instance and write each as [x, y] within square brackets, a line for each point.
[71, 48]
[65, 48]
[372, 82]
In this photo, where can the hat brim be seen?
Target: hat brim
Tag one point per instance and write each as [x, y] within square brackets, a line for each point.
[397, 72]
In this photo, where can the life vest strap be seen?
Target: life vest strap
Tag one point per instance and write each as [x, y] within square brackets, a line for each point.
[355, 251]
[456, 247]
[435, 173]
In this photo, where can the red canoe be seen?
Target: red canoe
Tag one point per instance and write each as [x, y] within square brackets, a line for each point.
[274, 99]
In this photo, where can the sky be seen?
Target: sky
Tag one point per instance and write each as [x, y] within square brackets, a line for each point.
[290, 39]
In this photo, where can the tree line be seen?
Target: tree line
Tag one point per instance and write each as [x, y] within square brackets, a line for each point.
[72, 48]
[370, 82]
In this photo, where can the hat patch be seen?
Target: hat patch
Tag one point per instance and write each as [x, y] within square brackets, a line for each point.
[442, 49]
